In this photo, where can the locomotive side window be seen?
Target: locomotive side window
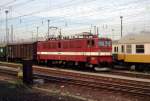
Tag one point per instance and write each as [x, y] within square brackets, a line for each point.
[90, 43]
[122, 48]
[59, 45]
[139, 48]
[129, 49]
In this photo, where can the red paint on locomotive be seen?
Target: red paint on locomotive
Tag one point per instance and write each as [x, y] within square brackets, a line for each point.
[88, 49]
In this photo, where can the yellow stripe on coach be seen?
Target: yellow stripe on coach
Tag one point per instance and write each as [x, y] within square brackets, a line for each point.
[138, 58]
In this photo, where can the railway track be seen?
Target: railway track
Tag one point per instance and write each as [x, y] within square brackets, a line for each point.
[131, 74]
[126, 73]
[120, 84]
[112, 72]
[98, 81]
[9, 71]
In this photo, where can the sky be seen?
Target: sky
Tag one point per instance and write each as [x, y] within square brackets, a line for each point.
[73, 16]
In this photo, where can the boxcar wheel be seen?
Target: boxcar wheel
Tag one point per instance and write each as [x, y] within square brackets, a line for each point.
[139, 68]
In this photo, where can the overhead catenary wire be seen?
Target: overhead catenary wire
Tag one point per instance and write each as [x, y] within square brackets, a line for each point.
[45, 9]
[66, 15]
[91, 13]
[32, 13]
[7, 3]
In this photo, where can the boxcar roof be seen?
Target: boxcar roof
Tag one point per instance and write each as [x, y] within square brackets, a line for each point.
[21, 43]
[135, 38]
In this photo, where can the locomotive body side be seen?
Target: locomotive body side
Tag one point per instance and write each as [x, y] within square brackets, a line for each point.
[78, 50]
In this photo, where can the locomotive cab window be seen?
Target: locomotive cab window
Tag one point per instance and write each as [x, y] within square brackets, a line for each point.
[139, 48]
[108, 43]
[101, 43]
[104, 43]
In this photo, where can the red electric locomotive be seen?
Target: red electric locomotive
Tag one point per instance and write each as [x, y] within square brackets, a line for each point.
[87, 50]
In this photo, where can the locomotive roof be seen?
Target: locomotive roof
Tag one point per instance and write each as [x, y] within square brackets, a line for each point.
[74, 38]
[135, 38]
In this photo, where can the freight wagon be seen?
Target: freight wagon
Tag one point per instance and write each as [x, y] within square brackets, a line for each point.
[20, 51]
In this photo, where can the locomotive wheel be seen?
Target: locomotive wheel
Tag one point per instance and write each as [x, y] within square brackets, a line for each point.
[49, 63]
[81, 66]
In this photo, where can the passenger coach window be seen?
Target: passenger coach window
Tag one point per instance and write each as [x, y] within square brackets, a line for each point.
[129, 49]
[122, 49]
[139, 48]
[115, 49]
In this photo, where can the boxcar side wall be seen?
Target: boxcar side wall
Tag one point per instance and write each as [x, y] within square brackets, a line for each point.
[22, 51]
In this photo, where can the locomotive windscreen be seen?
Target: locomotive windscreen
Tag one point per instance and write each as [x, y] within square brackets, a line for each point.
[104, 43]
